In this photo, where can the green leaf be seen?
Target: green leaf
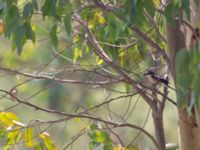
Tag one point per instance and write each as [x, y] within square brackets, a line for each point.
[53, 35]
[46, 8]
[108, 146]
[171, 10]
[28, 137]
[100, 136]
[67, 22]
[186, 8]
[181, 62]
[49, 9]
[195, 89]
[149, 6]
[93, 144]
[93, 127]
[30, 34]
[182, 76]
[135, 8]
[28, 11]
[13, 137]
[19, 38]
[113, 28]
[38, 146]
[128, 88]
[35, 4]
[12, 20]
[49, 144]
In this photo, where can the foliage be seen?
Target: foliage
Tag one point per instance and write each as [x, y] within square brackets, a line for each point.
[188, 61]
[14, 132]
[105, 41]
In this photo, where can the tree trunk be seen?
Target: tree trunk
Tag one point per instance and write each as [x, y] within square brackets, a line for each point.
[159, 129]
[189, 126]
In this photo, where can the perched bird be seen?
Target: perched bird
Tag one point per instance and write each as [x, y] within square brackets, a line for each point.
[155, 79]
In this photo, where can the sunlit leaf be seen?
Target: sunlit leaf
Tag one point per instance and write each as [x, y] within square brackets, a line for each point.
[156, 3]
[47, 141]
[118, 147]
[128, 88]
[99, 61]
[99, 17]
[100, 136]
[7, 118]
[28, 137]
[132, 147]
[44, 135]
[77, 53]
[1, 27]
[13, 137]
[77, 119]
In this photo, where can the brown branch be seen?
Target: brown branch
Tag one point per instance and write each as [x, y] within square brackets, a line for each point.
[100, 52]
[155, 26]
[152, 44]
[37, 76]
[76, 137]
[70, 116]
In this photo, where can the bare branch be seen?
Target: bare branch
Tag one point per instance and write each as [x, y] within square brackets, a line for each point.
[100, 52]
[37, 76]
[69, 116]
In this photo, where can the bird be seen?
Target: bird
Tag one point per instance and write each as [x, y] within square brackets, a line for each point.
[155, 79]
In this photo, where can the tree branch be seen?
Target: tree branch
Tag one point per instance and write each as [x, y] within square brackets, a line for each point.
[70, 116]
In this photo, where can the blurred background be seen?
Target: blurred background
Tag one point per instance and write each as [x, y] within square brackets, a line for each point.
[40, 58]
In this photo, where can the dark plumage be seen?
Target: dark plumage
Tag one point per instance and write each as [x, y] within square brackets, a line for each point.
[155, 78]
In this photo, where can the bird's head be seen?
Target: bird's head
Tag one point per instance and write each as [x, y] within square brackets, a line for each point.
[149, 73]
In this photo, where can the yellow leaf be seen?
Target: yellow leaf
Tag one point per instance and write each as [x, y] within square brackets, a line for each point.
[98, 17]
[77, 119]
[33, 27]
[7, 118]
[28, 137]
[77, 53]
[47, 141]
[132, 147]
[91, 23]
[118, 147]
[156, 3]
[76, 39]
[101, 19]
[99, 61]
[44, 135]
[1, 27]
